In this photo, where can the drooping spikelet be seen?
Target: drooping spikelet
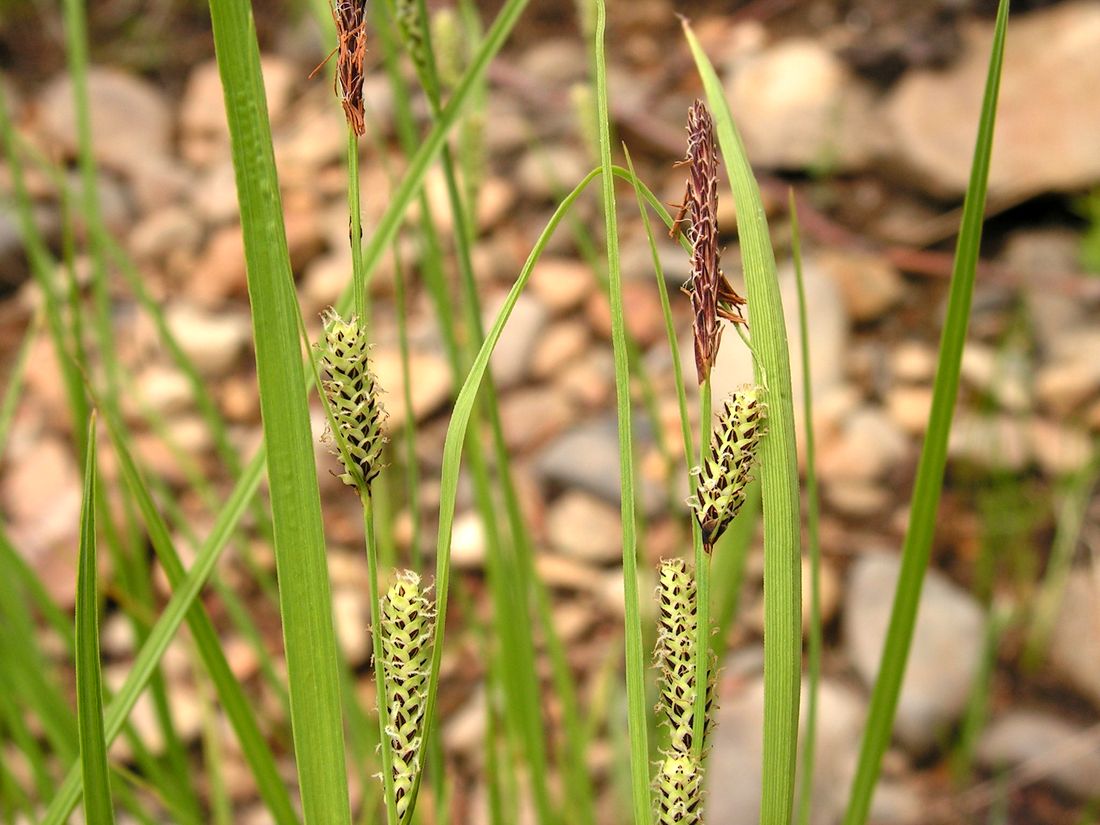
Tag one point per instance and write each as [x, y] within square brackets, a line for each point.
[712, 296]
[351, 48]
[679, 791]
[411, 30]
[407, 629]
[723, 476]
[353, 396]
[677, 628]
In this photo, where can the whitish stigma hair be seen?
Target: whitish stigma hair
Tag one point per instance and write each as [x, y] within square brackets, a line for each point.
[723, 476]
[352, 393]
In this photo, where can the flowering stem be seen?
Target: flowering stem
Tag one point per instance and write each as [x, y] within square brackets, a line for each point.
[385, 745]
[702, 584]
[358, 273]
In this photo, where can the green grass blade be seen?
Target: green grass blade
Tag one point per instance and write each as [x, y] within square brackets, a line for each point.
[89, 680]
[304, 597]
[452, 449]
[637, 710]
[933, 458]
[145, 663]
[778, 468]
[814, 653]
[230, 695]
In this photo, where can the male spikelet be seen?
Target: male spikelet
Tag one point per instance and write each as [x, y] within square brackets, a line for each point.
[407, 629]
[353, 396]
[712, 296]
[679, 791]
[351, 46]
[677, 625]
[722, 478]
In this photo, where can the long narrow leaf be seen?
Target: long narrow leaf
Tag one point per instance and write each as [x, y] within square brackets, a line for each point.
[778, 467]
[933, 458]
[304, 592]
[89, 679]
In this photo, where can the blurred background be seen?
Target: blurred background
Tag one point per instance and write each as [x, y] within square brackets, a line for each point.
[867, 111]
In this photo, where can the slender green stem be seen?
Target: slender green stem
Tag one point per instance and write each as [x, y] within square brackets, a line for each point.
[355, 218]
[376, 639]
[702, 586]
[812, 508]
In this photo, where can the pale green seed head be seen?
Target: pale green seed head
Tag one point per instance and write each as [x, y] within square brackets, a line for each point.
[679, 791]
[352, 393]
[677, 626]
[447, 41]
[407, 630]
[407, 16]
[726, 472]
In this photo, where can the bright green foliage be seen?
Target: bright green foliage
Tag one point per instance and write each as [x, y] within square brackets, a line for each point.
[679, 791]
[725, 473]
[407, 617]
[353, 395]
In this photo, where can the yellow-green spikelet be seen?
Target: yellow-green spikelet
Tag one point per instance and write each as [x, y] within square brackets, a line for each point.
[407, 628]
[724, 475]
[679, 791]
[353, 397]
[677, 628]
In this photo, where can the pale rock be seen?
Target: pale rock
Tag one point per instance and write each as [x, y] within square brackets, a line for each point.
[351, 614]
[859, 499]
[324, 281]
[1003, 374]
[590, 379]
[1045, 138]
[909, 407]
[496, 199]
[869, 447]
[170, 236]
[587, 458]
[994, 442]
[556, 61]
[828, 332]
[1039, 254]
[561, 344]
[798, 107]
[1048, 747]
[116, 636]
[551, 172]
[41, 492]
[734, 771]
[565, 573]
[468, 542]
[511, 359]
[870, 284]
[239, 400]
[562, 284]
[431, 384]
[316, 140]
[464, 728]
[645, 321]
[573, 619]
[532, 416]
[130, 120]
[1072, 377]
[214, 342]
[830, 591]
[897, 802]
[913, 362]
[1060, 450]
[214, 195]
[158, 182]
[946, 648]
[164, 390]
[1077, 629]
[585, 527]
[220, 270]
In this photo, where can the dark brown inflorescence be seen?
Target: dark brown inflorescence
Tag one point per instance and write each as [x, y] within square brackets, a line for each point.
[351, 51]
[712, 296]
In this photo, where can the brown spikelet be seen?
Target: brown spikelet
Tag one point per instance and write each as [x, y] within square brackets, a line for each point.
[712, 296]
[351, 51]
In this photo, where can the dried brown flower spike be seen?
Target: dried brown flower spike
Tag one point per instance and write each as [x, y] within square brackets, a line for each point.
[351, 37]
[712, 296]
